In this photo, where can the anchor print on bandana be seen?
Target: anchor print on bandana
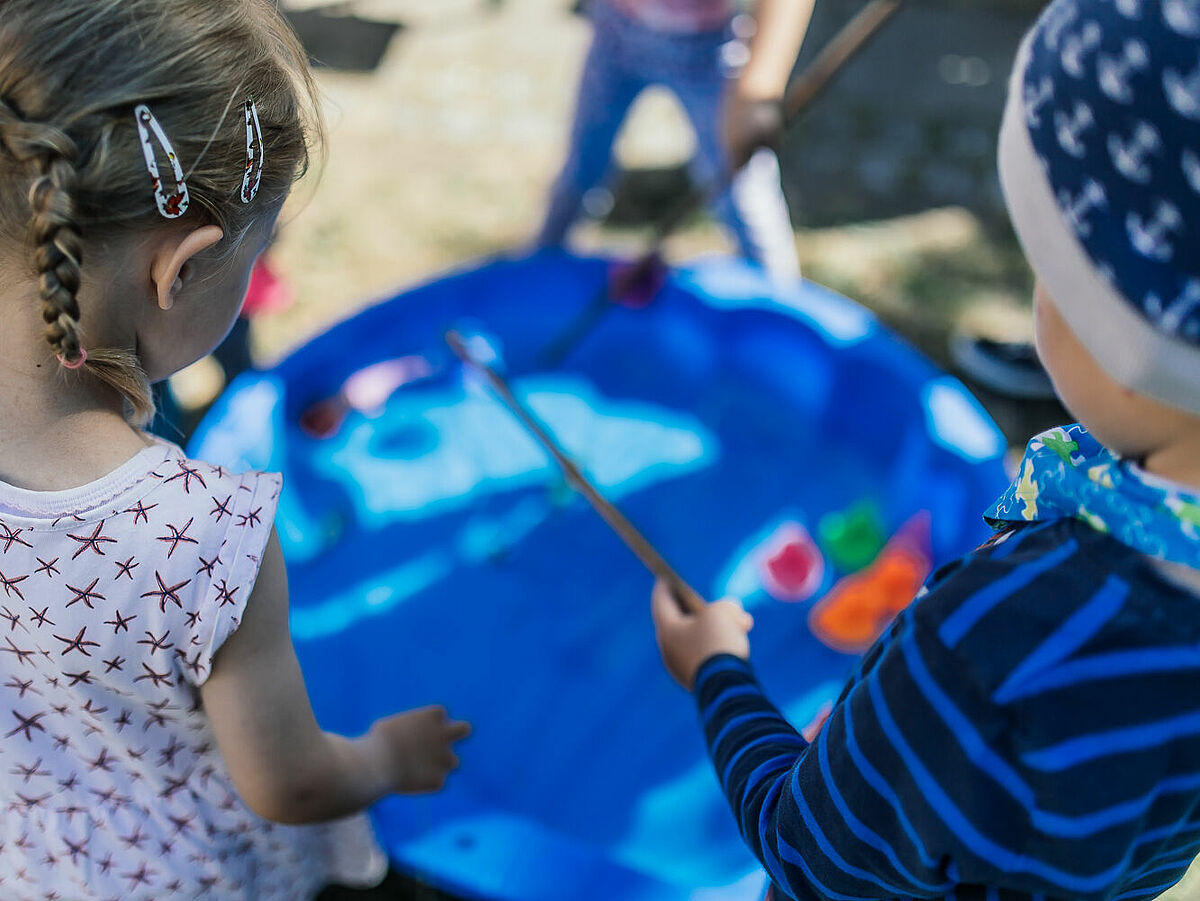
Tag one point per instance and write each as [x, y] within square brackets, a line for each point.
[1132, 156]
[1116, 72]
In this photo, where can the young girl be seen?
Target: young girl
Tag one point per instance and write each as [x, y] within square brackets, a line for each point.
[152, 712]
[678, 44]
[1030, 727]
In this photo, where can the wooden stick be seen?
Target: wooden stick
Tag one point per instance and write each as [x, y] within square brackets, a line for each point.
[688, 598]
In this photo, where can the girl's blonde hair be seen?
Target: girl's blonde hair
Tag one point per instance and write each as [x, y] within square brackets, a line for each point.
[71, 164]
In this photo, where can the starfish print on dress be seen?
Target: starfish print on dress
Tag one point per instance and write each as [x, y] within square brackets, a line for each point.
[78, 643]
[75, 850]
[221, 508]
[226, 595]
[12, 618]
[89, 707]
[187, 473]
[157, 644]
[11, 537]
[193, 617]
[10, 585]
[156, 678]
[13, 649]
[86, 595]
[172, 786]
[27, 772]
[26, 725]
[115, 664]
[182, 823]
[69, 783]
[194, 665]
[40, 617]
[140, 511]
[166, 593]
[126, 568]
[251, 519]
[140, 876]
[177, 537]
[28, 804]
[120, 622]
[21, 687]
[206, 566]
[47, 567]
[102, 762]
[85, 677]
[92, 542]
[123, 720]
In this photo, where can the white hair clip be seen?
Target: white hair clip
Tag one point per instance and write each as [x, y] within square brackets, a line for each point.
[255, 153]
[173, 205]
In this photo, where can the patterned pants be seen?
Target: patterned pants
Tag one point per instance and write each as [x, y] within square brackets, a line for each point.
[625, 59]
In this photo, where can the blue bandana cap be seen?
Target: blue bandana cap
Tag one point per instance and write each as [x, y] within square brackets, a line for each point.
[1100, 165]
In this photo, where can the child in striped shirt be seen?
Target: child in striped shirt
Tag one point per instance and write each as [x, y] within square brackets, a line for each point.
[1030, 727]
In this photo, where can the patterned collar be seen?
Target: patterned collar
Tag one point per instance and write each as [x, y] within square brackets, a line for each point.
[1067, 473]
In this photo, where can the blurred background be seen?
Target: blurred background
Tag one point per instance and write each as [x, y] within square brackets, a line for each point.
[448, 121]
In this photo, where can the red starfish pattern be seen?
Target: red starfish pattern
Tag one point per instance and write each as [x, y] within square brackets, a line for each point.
[47, 567]
[171, 786]
[11, 537]
[85, 677]
[10, 585]
[139, 511]
[71, 812]
[177, 537]
[20, 686]
[251, 519]
[27, 772]
[78, 643]
[69, 784]
[166, 757]
[120, 622]
[102, 762]
[226, 595]
[123, 720]
[86, 595]
[12, 618]
[41, 617]
[75, 850]
[157, 644]
[187, 473]
[26, 725]
[166, 593]
[126, 569]
[157, 678]
[28, 804]
[92, 542]
[13, 649]
[115, 664]
[141, 876]
[105, 864]
[89, 707]
[194, 665]
[206, 566]
[193, 617]
[221, 508]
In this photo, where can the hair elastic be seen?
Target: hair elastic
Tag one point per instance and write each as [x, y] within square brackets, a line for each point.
[255, 153]
[174, 205]
[78, 364]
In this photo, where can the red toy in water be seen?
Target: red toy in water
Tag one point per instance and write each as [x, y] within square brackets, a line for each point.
[793, 567]
[860, 607]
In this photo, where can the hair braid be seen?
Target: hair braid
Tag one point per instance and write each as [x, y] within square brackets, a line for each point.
[58, 255]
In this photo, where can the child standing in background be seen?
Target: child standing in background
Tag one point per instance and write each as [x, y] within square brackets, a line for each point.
[154, 714]
[678, 44]
[1030, 727]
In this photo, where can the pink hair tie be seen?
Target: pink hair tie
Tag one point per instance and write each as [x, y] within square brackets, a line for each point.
[78, 363]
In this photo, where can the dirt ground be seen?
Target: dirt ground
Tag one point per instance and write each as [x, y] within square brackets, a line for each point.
[444, 153]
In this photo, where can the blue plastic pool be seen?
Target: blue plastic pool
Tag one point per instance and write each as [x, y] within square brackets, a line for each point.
[435, 554]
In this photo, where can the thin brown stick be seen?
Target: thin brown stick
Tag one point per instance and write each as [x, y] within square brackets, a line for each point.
[688, 598]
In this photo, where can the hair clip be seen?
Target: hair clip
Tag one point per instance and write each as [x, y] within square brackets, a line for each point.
[255, 153]
[174, 205]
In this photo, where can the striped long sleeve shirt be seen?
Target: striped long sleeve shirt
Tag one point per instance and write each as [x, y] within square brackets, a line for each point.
[1028, 729]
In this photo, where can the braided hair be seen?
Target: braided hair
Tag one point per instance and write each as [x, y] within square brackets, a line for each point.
[71, 165]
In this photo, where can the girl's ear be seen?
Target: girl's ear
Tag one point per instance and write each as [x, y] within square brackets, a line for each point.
[167, 265]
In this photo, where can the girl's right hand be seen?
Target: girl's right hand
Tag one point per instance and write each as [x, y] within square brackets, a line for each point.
[416, 747]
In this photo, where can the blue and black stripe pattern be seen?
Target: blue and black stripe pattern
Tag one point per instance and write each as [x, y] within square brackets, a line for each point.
[1028, 729]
